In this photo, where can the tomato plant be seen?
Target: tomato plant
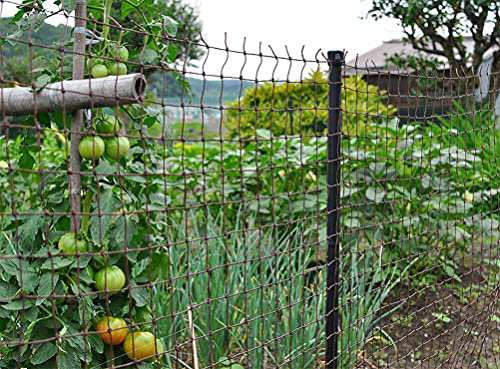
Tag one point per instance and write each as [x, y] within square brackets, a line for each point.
[79, 276]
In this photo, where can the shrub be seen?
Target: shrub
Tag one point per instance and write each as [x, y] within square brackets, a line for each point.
[291, 108]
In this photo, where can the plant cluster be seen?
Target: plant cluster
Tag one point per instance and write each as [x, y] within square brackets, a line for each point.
[418, 194]
[302, 108]
[98, 69]
[93, 147]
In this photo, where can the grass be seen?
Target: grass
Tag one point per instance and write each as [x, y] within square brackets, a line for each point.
[257, 297]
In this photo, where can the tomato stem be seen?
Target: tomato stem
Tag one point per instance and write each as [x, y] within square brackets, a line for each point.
[107, 12]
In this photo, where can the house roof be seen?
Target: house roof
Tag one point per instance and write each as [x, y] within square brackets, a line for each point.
[374, 61]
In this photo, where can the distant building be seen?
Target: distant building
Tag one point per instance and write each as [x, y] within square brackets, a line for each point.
[415, 94]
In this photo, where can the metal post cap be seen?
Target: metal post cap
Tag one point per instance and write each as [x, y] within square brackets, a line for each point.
[336, 57]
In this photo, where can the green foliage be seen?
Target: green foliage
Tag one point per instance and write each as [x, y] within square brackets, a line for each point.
[415, 196]
[405, 188]
[405, 185]
[292, 108]
[278, 261]
[415, 62]
[145, 13]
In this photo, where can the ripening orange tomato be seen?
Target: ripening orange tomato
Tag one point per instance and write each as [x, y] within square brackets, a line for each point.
[112, 331]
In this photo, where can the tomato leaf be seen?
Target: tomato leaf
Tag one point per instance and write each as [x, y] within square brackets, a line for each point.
[30, 228]
[128, 6]
[7, 291]
[139, 294]
[48, 282]
[99, 225]
[96, 343]
[170, 25]
[67, 358]
[18, 305]
[26, 276]
[57, 262]
[43, 353]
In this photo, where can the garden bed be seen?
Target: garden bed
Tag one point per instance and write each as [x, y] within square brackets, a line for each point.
[453, 326]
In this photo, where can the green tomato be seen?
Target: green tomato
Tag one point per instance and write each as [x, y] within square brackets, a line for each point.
[93, 61]
[121, 54]
[108, 124]
[91, 148]
[68, 244]
[110, 279]
[117, 69]
[142, 346]
[99, 71]
[117, 147]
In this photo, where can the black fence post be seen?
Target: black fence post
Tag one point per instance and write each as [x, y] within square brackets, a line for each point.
[335, 62]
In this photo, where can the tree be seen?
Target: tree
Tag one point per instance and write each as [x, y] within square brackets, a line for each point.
[437, 27]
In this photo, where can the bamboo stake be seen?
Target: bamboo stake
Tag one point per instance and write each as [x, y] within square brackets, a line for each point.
[77, 123]
[193, 338]
[110, 91]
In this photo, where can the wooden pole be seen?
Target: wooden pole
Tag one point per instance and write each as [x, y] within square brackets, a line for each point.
[110, 91]
[77, 122]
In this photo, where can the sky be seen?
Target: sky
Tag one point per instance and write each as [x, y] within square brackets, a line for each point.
[317, 24]
[326, 24]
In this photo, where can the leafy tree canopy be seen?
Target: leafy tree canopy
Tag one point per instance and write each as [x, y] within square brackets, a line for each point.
[439, 27]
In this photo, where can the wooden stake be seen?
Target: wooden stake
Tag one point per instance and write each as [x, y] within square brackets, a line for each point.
[193, 338]
[77, 122]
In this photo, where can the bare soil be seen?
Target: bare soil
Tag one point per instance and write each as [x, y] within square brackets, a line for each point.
[454, 326]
